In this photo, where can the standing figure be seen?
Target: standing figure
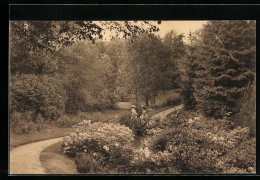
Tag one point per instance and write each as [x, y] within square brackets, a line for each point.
[134, 113]
[143, 117]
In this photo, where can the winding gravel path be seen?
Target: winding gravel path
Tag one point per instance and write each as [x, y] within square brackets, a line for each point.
[25, 159]
[163, 114]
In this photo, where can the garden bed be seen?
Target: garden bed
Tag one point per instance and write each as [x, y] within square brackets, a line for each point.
[189, 144]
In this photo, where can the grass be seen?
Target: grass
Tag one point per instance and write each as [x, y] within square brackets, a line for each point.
[55, 162]
[48, 132]
[53, 131]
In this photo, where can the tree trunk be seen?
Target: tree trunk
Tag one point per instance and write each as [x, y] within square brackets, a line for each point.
[146, 100]
[136, 99]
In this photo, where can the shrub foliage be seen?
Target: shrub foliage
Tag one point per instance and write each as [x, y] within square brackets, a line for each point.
[110, 142]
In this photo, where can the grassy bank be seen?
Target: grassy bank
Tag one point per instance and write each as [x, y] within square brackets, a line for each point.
[52, 130]
[55, 162]
[47, 133]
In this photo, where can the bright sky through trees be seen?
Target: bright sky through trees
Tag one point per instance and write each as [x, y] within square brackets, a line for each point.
[180, 27]
[165, 27]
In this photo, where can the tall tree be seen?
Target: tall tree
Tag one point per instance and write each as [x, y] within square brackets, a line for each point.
[188, 66]
[35, 53]
[31, 40]
[146, 67]
[226, 56]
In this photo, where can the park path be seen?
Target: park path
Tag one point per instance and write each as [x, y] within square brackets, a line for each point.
[25, 159]
[163, 114]
[152, 123]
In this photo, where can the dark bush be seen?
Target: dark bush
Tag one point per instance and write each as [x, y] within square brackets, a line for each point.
[22, 122]
[39, 94]
[133, 124]
[172, 101]
[125, 119]
[87, 163]
[94, 117]
[67, 121]
[246, 116]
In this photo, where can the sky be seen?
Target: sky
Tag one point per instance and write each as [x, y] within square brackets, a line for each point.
[179, 26]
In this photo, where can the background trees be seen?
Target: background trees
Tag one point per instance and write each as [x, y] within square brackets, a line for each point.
[86, 72]
[215, 68]
[145, 70]
[82, 73]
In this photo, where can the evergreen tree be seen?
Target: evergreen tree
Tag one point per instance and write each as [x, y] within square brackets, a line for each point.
[187, 86]
[226, 59]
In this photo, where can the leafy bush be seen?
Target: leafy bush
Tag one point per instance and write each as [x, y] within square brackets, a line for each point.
[39, 124]
[203, 146]
[94, 117]
[125, 119]
[89, 163]
[42, 94]
[176, 100]
[21, 123]
[111, 142]
[133, 124]
[67, 121]
[246, 116]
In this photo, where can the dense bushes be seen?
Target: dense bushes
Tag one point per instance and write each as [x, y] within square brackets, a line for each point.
[172, 101]
[246, 116]
[110, 142]
[125, 119]
[38, 94]
[198, 145]
[24, 123]
[188, 144]
[134, 124]
[67, 121]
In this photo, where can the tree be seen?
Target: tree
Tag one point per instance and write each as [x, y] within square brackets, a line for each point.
[43, 95]
[38, 49]
[86, 73]
[226, 59]
[188, 67]
[146, 67]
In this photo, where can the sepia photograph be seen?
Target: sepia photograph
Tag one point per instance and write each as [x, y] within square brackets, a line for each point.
[143, 97]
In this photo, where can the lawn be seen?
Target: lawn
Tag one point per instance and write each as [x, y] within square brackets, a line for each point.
[55, 162]
[47, 133]
[52, 130]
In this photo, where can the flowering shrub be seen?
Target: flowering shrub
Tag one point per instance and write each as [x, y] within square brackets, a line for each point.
[134, 125]
[125, 119]
[198, 145]
[110, 141]
[188, 145]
